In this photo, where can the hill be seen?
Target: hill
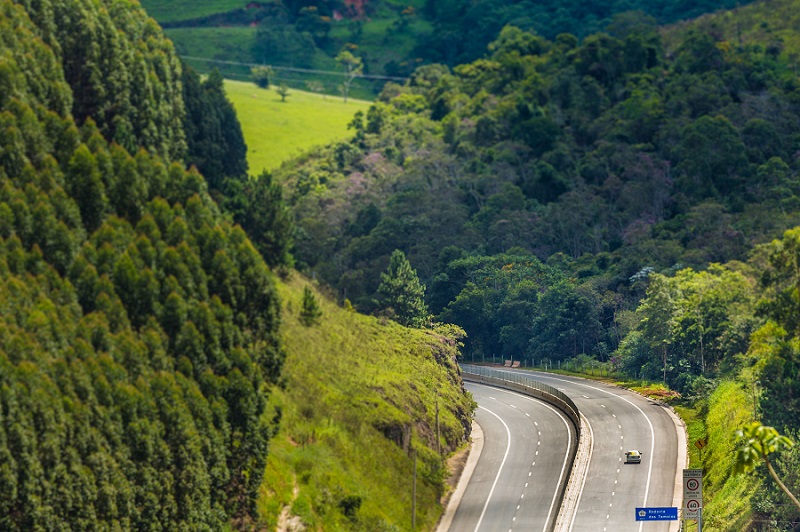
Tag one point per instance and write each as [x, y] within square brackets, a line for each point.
[391, 37]
[140, 332]
[629, 199]
[277, 131]
[362, 396]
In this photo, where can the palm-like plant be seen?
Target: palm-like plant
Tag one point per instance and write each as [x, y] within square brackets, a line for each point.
[756, 442]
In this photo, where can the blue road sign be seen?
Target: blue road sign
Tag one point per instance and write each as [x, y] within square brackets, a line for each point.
[657, 514]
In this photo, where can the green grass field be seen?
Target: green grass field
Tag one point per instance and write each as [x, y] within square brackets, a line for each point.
[277, 131]
[172, 10]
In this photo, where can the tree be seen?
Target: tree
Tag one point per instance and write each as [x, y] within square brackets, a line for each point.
[757, 442]
[258, 206]
[353, 67]
[310, 313]
[283, 91]
[213, 132]
[261, 76]
[659, 314]
[401, 293]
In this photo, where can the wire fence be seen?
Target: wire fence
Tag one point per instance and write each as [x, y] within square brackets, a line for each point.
[330, 81]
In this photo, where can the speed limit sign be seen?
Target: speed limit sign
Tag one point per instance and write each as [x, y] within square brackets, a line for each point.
[692, 493]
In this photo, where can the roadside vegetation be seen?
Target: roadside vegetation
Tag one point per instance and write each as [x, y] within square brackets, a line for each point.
[358, 401]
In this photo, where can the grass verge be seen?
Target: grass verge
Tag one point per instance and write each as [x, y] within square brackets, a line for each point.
[359, 400]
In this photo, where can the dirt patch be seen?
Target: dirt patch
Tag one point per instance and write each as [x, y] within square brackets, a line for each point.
[455, 464]
[288, 522]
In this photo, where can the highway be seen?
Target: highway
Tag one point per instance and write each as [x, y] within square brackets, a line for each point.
[620, 420]
[522, 468]
[526, 444]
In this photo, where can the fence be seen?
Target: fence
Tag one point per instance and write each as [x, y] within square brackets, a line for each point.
[519, 381]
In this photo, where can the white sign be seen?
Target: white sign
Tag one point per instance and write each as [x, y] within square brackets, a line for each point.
[692, 493]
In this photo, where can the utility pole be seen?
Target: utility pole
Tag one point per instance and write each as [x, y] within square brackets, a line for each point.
[438, 444]
[414, 495]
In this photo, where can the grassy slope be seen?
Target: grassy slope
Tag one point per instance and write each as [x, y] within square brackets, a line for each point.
[344, 377]
[276, 131]
[172, 10]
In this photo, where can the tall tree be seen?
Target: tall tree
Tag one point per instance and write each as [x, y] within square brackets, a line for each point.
[213, 132]
[401, 294]
[353, 67]
[659, 314]
[257, 205]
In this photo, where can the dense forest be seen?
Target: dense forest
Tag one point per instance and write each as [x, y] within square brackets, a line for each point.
[139, 327]
[613, 200]
[391, 37]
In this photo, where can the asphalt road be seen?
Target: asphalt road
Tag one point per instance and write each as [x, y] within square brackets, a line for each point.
[621, 420]
[523, 466]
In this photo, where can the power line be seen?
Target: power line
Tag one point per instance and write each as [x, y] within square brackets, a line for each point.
[293, 69]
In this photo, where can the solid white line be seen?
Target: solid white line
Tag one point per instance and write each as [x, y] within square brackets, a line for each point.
[652, 437]
[500, 470]
[566, 454]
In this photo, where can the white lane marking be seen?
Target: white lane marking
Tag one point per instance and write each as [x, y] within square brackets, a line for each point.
[527, 414]
[566, 453]
[500, 470]
[512, 406]
[603, 406]
[585, 396]
[652, 435]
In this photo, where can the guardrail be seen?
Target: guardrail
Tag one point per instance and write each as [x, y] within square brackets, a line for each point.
[519, 381]
[526, 384]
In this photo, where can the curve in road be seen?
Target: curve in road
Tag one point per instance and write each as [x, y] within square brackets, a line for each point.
[521, 490]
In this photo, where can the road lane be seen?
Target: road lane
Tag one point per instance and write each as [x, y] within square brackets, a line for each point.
[523, 467]
[622, 420]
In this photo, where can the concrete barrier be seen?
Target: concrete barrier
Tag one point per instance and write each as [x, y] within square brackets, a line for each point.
[581, 449]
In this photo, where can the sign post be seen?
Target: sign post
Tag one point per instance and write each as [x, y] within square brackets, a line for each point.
[693, 496]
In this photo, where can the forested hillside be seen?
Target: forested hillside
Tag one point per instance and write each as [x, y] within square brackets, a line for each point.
[391, 37]
[603, 160]
[621, 199]
[139, 328]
